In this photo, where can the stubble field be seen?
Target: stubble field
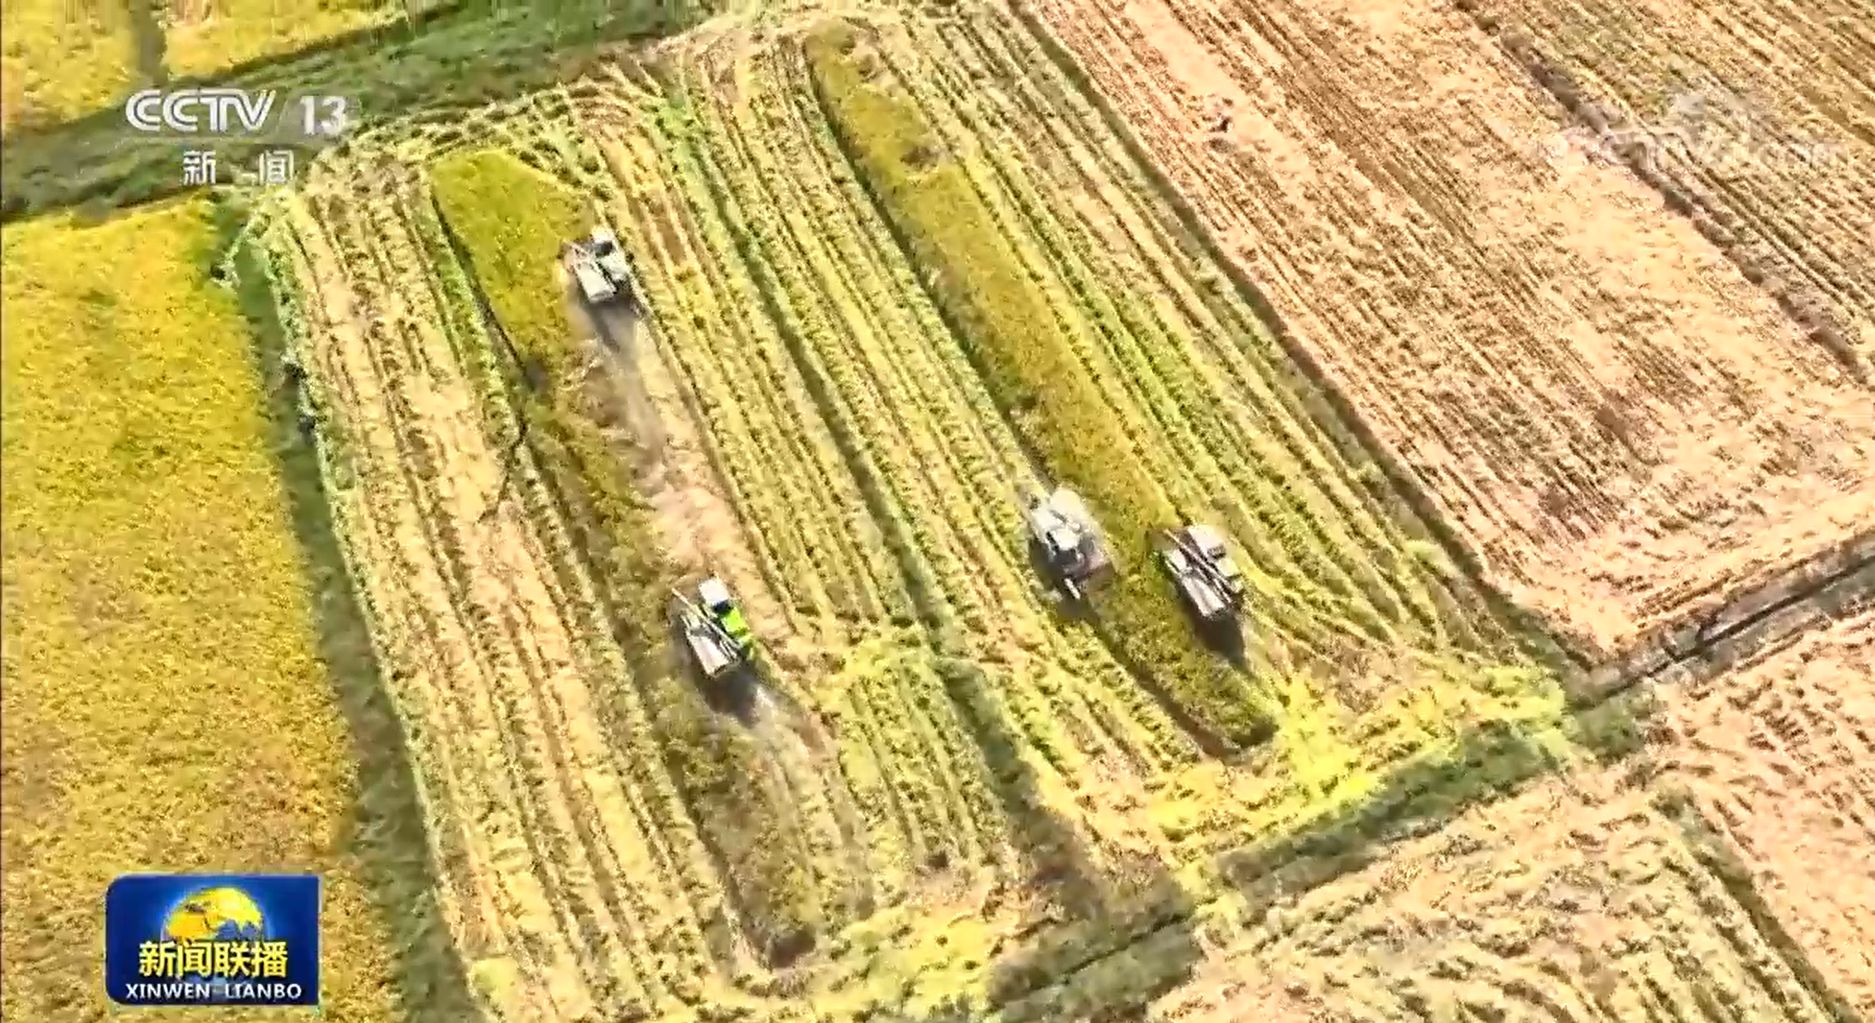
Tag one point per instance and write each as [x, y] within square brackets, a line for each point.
[1428, 370]
[1607, 400]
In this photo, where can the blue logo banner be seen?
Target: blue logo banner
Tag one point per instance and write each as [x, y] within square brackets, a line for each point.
[212, 939]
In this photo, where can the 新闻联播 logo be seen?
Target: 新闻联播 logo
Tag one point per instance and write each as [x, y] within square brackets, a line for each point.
[178, 939]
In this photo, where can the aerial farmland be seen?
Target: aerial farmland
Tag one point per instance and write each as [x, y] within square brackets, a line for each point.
[1073, 510]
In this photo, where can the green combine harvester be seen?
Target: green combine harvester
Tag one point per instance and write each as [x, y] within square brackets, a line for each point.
[715, 628]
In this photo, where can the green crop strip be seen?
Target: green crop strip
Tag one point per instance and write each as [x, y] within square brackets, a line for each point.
[511, 221]
[1032, 370]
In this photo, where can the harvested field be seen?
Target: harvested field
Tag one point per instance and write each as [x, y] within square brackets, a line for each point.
[1610, 411]
[1779, 755]
[1583, 898]
[179, 668]
[1756, 118]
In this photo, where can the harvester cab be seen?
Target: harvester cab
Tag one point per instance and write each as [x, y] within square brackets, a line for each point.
[612, 259]
[602, 268]
[1201, 567]
[714, 627]
[1064, 534]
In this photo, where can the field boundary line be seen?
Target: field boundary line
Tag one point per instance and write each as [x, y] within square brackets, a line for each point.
[1745, 623]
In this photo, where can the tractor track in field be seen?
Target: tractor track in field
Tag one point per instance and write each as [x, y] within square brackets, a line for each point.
[1803, 597]
[701, 535]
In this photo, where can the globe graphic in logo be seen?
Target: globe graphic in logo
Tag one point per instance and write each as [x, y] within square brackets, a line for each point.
[215, 914]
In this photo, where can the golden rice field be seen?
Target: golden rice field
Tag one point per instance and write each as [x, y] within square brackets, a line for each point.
[60, 60]
[179, 675]
[201, 37]
[65, 60]
[1477, 411]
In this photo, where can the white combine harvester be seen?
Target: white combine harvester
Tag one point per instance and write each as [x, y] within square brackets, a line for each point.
[1069, 542]
[714, 627]
[1202, 569]
[601, 268]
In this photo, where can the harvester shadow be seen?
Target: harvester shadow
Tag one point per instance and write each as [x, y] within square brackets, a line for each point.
[616, 327]
[386, 830]
[733, 694]
[1222, 636]
[1132, 913]
[1080, 610]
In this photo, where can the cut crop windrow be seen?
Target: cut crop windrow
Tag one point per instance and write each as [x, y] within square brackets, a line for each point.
[809, 337]
[910, 392]
[668, 261]
[849, 531]
[915, 460]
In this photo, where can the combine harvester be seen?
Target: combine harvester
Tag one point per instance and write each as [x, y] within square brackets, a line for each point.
[1201, 567]
[1064, 534]
[603, 270]
[713, 625]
